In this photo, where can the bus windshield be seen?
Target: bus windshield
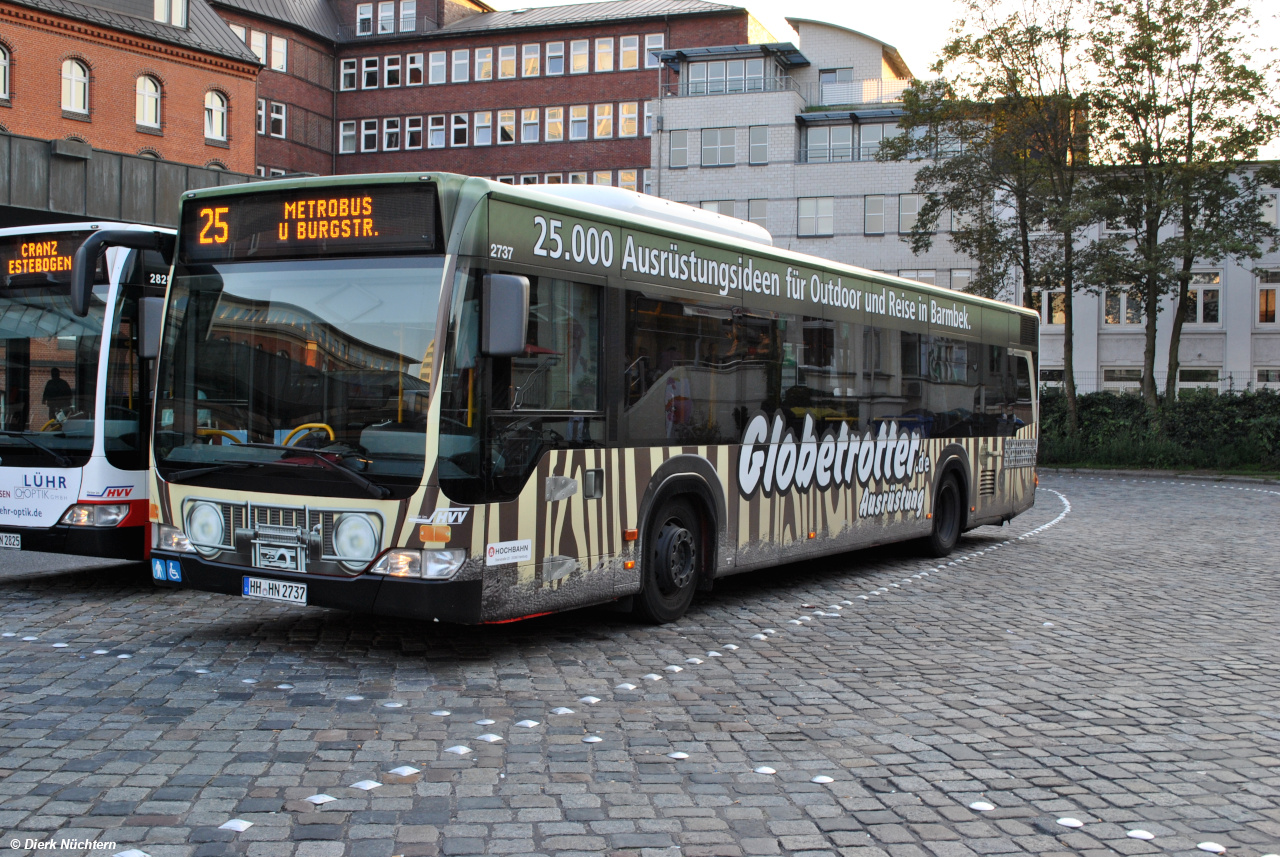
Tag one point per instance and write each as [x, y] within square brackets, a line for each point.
[48, 391]
[314, 373]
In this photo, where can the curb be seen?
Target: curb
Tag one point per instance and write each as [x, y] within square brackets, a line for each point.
[1159, 474]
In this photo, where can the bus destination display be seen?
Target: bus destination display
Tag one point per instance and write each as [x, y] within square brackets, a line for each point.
[336, 221]
[33, 259]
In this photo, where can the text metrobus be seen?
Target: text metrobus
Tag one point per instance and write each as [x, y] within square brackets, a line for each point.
[491, 402]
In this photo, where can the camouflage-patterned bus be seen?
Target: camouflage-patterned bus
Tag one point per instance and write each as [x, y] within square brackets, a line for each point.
[445, 398]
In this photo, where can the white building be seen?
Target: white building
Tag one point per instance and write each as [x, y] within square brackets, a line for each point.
[785, 135]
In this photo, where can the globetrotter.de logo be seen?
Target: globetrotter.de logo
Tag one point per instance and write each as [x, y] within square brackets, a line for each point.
[773, 461]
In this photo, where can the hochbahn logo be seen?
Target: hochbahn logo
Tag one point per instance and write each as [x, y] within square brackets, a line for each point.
[773, 461]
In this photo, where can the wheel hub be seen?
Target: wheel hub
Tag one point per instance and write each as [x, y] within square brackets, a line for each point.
[677, 555]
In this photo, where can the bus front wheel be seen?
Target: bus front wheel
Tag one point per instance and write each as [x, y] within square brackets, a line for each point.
[671, 563]
[947, 516]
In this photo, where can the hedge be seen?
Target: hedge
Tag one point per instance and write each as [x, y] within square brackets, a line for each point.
[1201, 430]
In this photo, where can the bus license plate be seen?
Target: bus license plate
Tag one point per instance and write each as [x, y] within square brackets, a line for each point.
[11, 540]
[275, 590]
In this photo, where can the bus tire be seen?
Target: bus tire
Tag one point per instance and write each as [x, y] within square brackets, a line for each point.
[948, 517]
[672, 561]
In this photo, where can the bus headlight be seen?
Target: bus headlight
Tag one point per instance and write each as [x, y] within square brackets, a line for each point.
[96, 514]
[429, 564]
[205, 527]
[169, 538]
[442, 564]
[355, 540]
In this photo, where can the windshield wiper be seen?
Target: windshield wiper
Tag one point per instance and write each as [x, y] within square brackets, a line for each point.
[194, 472]
[62, 460]
[373, 489]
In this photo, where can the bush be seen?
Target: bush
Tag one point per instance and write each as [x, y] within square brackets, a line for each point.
[1201, 430]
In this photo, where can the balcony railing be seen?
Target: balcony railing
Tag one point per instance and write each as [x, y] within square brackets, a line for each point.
[873, 90]
[369, 30]
[841, 153]
[729, 86]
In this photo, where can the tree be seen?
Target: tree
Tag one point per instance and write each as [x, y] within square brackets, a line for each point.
[1007, 140]
[1177, 111]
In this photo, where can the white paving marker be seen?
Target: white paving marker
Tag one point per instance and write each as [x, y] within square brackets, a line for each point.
[8, 634]
[625, 686]
[713, 654]
[59, 645]
[694, 661]
[1071, 822]
[123, 657]
[459, 750]
[1140, 834]
[284, 687]
[355, 697]
[562, 710]
[592, 739]
[239, 825]
[1212, 848]
[320, 800]
[104, 651]
[822, 779]
[730, 647]
[248, 681]
[527, 724]
[393, 705]
[651, 677]
[673, 669]
[440, 713]
[981, 806]
[489, 738]
[589, 700]
[485, 721]
[677, 755]
[30, 639]
[765, 769]
[759, 637]
[404, 771]
[132, 852]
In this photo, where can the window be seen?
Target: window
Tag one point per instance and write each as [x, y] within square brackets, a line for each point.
[961, 279]
[390, 134]
[215, 115]
[920, 276]
[483, 124]
[757, 212]
[555, 58]
[369, 135]
[1057, 306]
[1203, 303]
[873, 215]
[461, 65]
[629, 53]
[1267, 296]
[413, 132]
[506, 62]
[604, 55]
[1199, 379]
[579, 56]
[578, 122]
[364, 19]
[484, 63]
[258, 44]
[604, 121]
[652, 47]
[507, 179]
[1269, 377]
[555, 124]
[908, 211]
[718, 147]
[713, 78]
[829, 143]
[148, 101]
[627, 179]
[346, 138]
[277, 119]
[347, 77]
[436, 61]
[648, 181]
[817, 216]
[679, 141]
[435, 132]
[1122, 380]
[461, 125]
[506, 127]
[242, 35]
[577, 178]
[529, 179]
[531, 61]
[530, 120]
[872, 137]
[279, 53]
[413, 73]
[172, 12]
[370, 68]
[408, 15]
[1120, 307]
[387, 17]
[759, 138]
[75, 87]
[648, 118]
[719, 206]
[391, 72]
[629, 119]
[604, 177]
[1269, 212]
[553, 178]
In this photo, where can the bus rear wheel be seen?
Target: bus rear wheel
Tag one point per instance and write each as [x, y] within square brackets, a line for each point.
[947, 515]
[672, 561]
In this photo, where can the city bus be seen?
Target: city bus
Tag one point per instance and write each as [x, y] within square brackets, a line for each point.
[444, 398]
[74, 394]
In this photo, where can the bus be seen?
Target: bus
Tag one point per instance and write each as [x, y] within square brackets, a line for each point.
[440, 397]
[74, 393]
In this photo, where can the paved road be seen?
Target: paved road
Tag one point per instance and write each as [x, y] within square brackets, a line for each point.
[1111, 657]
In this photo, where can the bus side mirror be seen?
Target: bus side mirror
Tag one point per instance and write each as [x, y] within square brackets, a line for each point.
[506, 315]
[150, 311]
[86, 258]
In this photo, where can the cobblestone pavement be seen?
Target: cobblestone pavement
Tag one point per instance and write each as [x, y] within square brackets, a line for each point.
[1119, 665]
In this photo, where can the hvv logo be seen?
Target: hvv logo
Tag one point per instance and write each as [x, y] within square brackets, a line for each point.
[113, 492]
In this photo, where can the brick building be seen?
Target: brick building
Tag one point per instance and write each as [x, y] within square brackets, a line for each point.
[163, 79]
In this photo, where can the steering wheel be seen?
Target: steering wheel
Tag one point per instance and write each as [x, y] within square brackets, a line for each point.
[306, 429]
[213, 432]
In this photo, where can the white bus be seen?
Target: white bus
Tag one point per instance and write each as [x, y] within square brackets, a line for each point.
[445, 398]
[74, 393]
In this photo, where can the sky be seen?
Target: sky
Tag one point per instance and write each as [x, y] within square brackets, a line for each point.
[917, 28]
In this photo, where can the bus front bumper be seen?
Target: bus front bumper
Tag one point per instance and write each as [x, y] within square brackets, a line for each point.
[445, 600]
[101, 542]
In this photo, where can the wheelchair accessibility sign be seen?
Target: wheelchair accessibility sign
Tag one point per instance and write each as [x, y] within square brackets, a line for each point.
[167, 570]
